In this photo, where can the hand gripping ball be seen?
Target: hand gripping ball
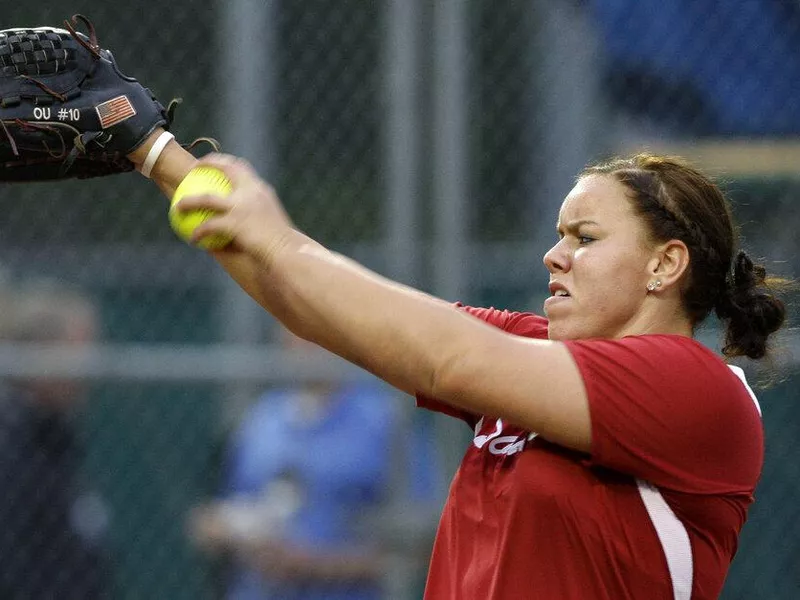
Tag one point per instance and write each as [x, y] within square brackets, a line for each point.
[200, 180]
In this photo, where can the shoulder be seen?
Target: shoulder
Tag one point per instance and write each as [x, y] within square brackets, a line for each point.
[519, 323]
[670, 355]
[669, 410]
[673, 365]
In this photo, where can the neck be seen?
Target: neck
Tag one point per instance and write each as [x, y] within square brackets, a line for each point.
[651, 324]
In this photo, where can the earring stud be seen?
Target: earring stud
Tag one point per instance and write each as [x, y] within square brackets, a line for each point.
[651, 287]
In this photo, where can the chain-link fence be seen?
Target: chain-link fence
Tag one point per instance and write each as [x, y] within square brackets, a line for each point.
[432, 141]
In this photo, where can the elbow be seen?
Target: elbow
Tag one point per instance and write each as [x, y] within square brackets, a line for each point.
[446, 380]
[458, 367]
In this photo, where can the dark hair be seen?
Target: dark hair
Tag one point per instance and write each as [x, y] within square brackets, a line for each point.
[676, 201]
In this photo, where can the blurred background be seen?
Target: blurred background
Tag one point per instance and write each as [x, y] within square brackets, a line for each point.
[434, 142]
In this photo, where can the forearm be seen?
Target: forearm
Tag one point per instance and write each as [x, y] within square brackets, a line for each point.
[404, 336]
[302, 308]
[298, 293]
[169, 170]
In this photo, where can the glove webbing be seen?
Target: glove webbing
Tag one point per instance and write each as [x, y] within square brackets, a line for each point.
[31, 52]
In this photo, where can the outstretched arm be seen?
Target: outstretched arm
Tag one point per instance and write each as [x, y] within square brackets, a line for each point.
[416, 342]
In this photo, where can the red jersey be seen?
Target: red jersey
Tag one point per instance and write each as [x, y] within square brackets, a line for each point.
[653, 512]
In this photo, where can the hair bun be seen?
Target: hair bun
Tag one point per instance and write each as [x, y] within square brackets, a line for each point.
[747, 275]
[752, 310]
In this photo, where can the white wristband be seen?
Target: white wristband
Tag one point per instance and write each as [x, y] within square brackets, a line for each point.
[155, 151]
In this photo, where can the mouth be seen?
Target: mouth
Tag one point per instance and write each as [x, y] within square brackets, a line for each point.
[558, 290]
[558, 294]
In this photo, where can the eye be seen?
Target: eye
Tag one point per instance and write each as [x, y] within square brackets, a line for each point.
[584, 239]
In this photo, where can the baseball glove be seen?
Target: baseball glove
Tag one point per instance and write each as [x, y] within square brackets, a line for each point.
[66, 110]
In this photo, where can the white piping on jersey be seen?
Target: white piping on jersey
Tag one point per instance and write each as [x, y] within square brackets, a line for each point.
[740, 374]
[673, 537]
[671, 532]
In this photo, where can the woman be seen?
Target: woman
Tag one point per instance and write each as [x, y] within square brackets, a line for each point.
[614, 456]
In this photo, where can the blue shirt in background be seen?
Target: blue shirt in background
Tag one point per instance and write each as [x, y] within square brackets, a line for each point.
[322, 471]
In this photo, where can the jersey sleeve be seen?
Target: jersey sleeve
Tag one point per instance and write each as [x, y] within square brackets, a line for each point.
[518, 323]
[667, 410]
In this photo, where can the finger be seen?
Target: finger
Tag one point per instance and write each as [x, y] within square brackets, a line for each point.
[235, 168]
[219, 224]
[215, 202]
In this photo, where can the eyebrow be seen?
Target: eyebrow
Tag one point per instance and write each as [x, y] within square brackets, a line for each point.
[573, 225]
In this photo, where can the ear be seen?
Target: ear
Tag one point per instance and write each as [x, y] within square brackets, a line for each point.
[669, 263]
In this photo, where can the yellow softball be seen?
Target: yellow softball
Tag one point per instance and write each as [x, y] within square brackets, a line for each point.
[200, 180]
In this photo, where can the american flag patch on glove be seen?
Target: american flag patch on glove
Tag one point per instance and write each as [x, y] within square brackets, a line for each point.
[115, 111]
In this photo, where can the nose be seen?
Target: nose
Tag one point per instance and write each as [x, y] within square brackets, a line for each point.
[557, 258]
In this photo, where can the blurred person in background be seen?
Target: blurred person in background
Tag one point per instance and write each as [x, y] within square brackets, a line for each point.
[52, 524]
[307, 472]
[614, 456]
